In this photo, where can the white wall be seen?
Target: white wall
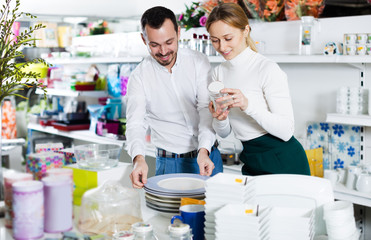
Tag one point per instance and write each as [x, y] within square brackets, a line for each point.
[99, 8]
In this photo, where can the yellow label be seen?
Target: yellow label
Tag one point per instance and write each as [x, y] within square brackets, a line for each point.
[247, 211]
[239, 180]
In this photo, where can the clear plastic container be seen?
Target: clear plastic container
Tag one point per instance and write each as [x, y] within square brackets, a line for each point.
[97, 156]
[214, 93]
[109, 209]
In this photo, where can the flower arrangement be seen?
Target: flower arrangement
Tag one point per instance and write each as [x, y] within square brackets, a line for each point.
[295, 9]
[14, 76]
[196, 14]
[267, 10]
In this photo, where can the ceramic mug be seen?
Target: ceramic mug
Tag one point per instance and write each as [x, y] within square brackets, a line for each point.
[350, 38]
[364, 183]
[351, 49]
[332, 176]
[361, 38]
[361, 49]
[194, 216]
[353, 172]
[342, 175]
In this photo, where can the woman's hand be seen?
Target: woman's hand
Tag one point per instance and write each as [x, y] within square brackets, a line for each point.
[234, 99]
[219, 113]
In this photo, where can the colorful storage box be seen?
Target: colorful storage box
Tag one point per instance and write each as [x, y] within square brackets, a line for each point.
[38, 163]
[84, 180]
[69, 156]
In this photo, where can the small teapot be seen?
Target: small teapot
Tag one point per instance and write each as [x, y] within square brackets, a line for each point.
[364, 182]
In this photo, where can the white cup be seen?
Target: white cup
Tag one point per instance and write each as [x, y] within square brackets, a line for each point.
[362, 38]
[361, 49]
[350, 38]
[368, 49]
[332, 176]
[364, 183]
[342, 175]
[352, 173]
[351, 49]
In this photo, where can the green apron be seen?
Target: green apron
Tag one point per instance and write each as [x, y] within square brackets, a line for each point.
[270, 155]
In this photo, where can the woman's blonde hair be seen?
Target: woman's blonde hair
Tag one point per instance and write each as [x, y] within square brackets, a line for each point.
[233, 15]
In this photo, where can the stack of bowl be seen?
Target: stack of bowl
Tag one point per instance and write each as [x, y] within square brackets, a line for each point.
[340, 222]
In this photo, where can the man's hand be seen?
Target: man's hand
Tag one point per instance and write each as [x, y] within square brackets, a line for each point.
[140, 170]
[204, 162]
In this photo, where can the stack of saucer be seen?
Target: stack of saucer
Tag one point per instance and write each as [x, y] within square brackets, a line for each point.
[163, 193]
[225, 189]
[340, 222]
[241, 221]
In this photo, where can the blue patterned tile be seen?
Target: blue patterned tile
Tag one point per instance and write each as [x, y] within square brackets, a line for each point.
[341, 143]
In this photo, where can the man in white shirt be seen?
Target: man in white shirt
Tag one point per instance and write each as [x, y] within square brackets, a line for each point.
[168, 92]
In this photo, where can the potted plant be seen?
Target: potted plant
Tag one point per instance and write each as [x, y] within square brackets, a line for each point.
[14, 76]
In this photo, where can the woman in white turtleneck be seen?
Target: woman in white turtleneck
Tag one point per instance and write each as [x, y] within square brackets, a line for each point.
[259, 109]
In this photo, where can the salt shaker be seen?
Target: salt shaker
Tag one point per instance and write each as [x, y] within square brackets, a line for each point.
[180, 231]
[57, 204]
[28, 209]
[143, 231]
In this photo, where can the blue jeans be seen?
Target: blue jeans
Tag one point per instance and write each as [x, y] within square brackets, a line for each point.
[166, 165]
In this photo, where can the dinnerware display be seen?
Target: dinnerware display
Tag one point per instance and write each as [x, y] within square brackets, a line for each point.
[163, 193]
[278, 191]
[223, 189]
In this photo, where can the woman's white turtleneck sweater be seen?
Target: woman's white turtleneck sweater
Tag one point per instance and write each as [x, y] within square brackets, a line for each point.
[265, 86]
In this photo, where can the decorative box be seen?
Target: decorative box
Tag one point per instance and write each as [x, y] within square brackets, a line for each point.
[38, 163]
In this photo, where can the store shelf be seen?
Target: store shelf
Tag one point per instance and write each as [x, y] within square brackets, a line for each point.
[84, 135]
[70, 93]
[57, 61]
[279, 58]
[343, 193]
[361, 120]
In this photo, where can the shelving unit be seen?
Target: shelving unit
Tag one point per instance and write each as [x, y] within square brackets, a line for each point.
[70, 93]
[84, 135]
[362, 120]
[279, 58]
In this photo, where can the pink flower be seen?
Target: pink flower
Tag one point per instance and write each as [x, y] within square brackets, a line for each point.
[203, 21]
[181, 17]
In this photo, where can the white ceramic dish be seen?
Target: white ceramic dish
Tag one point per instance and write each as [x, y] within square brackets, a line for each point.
[178, 183]
[161, 204]
[161, 199]
[287, 190]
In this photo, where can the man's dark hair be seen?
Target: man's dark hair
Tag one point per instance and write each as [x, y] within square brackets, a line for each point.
[156, 16]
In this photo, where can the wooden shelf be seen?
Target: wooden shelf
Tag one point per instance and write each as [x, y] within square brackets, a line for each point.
[70, 93]
[362, 120]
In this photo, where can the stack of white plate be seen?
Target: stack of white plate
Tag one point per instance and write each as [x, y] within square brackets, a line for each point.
[163, 193]
[290, 224]
[340, 222]
[224, 189]
[241, 221]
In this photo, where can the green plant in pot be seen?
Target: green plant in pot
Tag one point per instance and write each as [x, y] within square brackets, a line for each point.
[15, 76]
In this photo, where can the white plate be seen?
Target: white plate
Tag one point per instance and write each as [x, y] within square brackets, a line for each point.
[161, 204]
[177, 183]
[289, 190]
[162, 209]
[161, 199]
[174, 196]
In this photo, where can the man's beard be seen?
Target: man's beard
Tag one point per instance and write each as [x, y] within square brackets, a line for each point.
[167, 62]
